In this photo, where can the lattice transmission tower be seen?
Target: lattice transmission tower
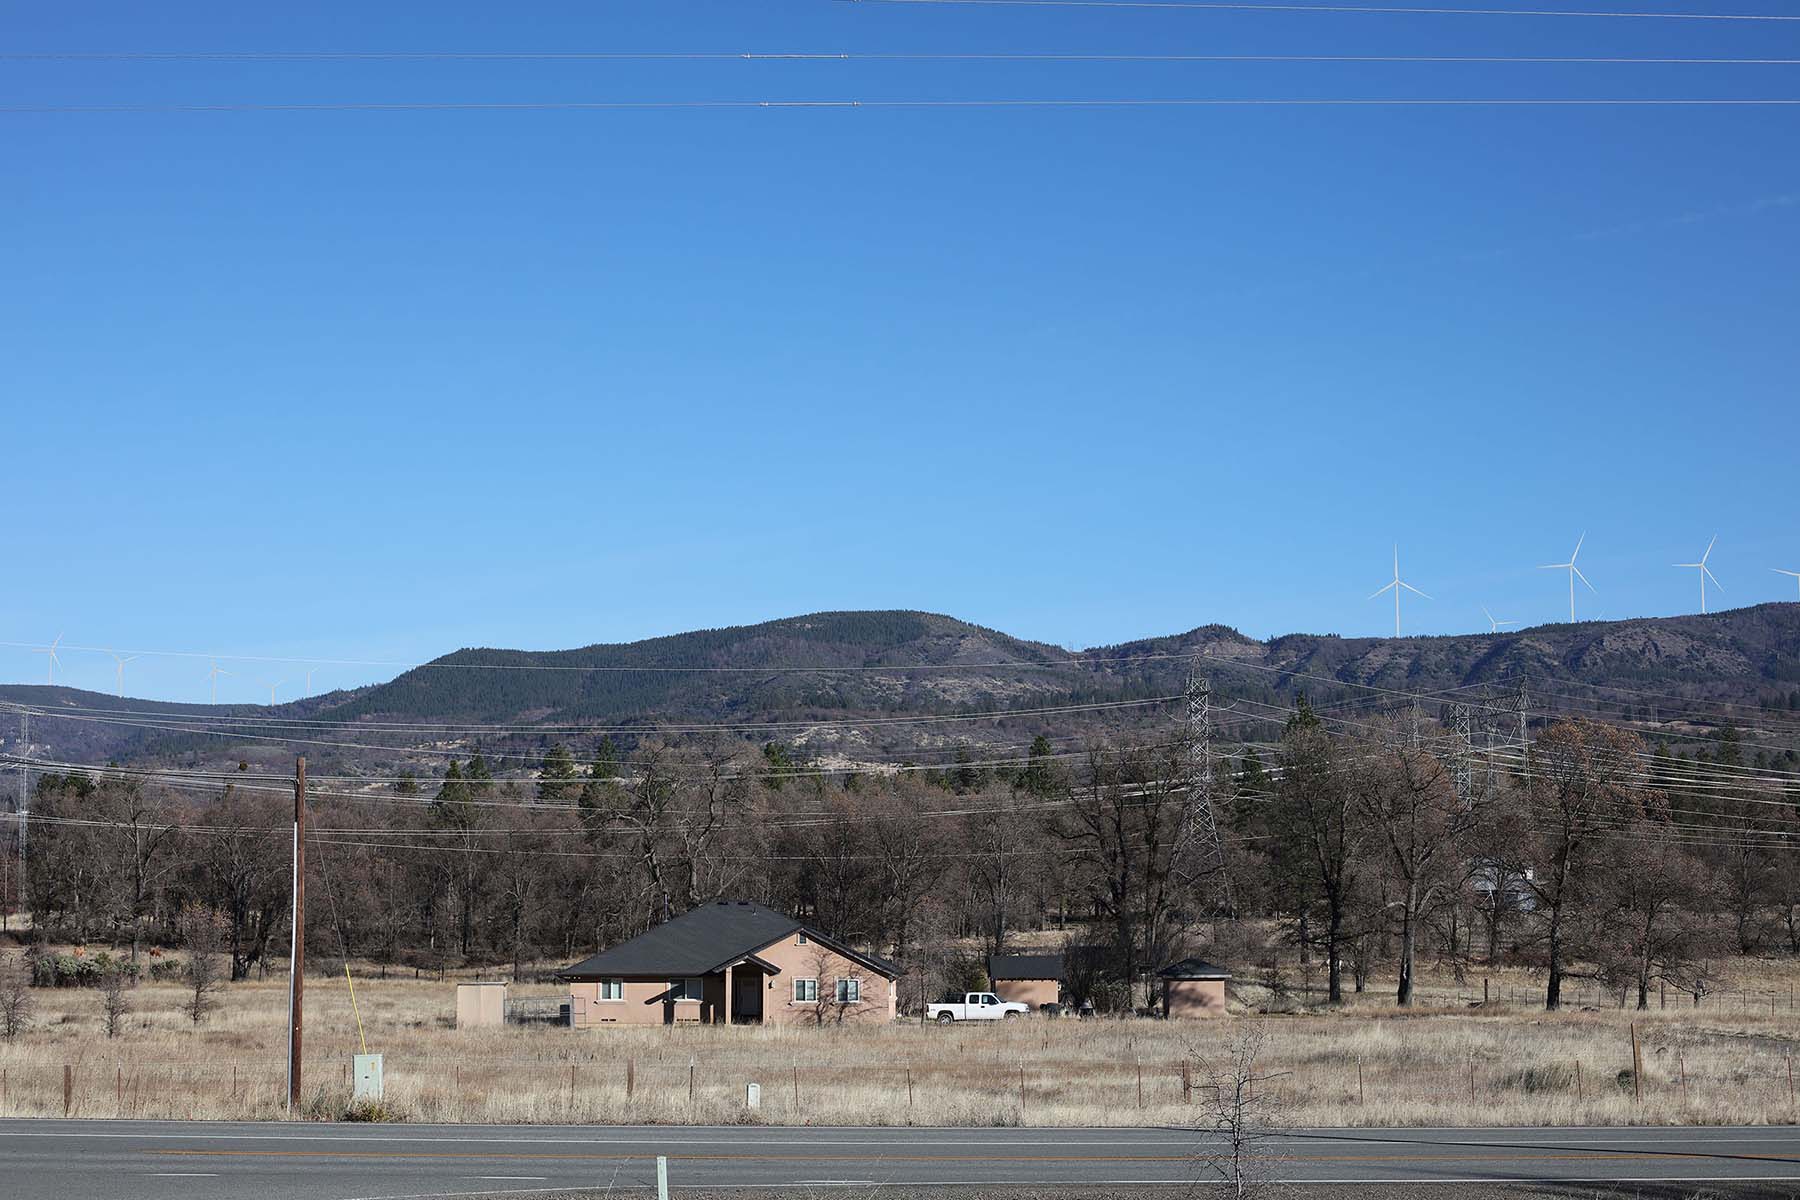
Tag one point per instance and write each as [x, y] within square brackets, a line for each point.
[1203, 823]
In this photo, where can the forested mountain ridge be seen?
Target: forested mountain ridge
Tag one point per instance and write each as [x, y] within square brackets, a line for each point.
[826, 672]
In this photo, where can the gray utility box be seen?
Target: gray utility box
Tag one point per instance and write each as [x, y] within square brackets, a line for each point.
[367, 1076]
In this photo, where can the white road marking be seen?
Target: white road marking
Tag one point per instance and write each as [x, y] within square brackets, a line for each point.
[184, 1174]
[520, 1178]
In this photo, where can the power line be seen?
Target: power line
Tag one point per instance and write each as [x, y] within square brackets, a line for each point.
[1380, 9]
[843, 56]
[1032, 103]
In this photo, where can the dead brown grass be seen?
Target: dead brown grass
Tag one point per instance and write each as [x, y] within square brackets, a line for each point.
[1444, 1064]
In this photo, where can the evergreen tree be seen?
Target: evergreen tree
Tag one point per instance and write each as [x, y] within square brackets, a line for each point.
[556, 774]
[1040, 777]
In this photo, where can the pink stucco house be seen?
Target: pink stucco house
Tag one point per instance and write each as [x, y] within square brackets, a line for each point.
[730, 962]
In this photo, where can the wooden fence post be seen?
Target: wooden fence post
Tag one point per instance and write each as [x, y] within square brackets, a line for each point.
[1140, 1079]
[68, 1088]
[1578, 1094]
[1021, 1095]
[1187, 1081]
[1471, 1076]
[796, 1087]
[1359, 1081]
[909, 1094]
[630, 1076]
[1681, 1058]
[690, 1083]
[1790, 1073]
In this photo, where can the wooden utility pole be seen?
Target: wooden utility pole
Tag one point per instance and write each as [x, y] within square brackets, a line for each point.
[297, 944]
[1637, 1066]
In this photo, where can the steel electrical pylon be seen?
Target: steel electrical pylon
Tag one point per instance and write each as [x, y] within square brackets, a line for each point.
[1203, 825]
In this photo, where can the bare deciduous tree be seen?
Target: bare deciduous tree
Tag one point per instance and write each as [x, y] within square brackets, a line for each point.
[15, 997]
[115, 1001]
[1241, 1116]
[202, 933]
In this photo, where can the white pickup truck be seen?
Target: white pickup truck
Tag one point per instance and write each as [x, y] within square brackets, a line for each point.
[976, 1006]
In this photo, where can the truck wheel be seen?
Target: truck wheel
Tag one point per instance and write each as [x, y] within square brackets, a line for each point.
[945, 1018]
[1012, 1016]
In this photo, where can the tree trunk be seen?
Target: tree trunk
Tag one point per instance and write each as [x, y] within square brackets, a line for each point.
[1334, 992]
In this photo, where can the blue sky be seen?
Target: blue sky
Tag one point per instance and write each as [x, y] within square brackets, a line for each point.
[375, 385]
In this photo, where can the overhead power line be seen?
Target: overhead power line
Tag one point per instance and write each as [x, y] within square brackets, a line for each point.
[841, 56]
[1377, 9]
[1028, 103]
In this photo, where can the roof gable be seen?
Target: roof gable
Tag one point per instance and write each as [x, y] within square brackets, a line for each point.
[697, 942]
[1194, 968]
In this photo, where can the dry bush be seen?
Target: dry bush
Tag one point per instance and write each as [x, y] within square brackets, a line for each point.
[115, 1002]
[15, 997]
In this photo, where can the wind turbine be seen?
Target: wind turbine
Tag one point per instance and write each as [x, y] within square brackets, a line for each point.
[53, 661]
[122, 659]
[1705, 571]
[1395, 585]
[1574, 574]
[214, 674]
[1795, 574]
[272, 687]
[1493, 625]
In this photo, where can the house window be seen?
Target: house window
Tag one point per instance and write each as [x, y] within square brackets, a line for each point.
[684, 989]
[806, 991]
[802, 940]
[849, 991]
[612, 989]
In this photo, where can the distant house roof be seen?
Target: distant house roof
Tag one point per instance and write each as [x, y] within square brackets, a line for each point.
[1025, 966]
[705, 940]
[1194, 968]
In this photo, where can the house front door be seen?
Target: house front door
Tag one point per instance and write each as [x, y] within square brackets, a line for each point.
[746, 996]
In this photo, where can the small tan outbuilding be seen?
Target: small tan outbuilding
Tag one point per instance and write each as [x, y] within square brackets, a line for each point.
[1031, 979]
[480, 1004]
[1193, 987]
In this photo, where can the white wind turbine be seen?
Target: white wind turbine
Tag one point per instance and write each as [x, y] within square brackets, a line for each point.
[213, 675]
[1493, 625]
[121, 660]
[1705, 571]
[52, 661]
[1795, 574]
[1394, 586]
[1574, 574]
[272, 687]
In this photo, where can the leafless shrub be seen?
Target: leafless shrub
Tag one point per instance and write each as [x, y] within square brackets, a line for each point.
[203, 933]
[15, 998]
[1240, 1115]
[115, 1001]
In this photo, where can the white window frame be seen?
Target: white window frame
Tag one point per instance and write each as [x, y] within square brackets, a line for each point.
[806, 985]
[802, 940]
[689, 990]
[612, 990]
[849, 991]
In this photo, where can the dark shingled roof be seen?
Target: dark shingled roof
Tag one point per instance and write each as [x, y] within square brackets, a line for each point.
[1025, 966]
[1194, 968]
[703, 940]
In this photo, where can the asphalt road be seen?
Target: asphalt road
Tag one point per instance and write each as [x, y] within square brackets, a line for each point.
[42, 1159]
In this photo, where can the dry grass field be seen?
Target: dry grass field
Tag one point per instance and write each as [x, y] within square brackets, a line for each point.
[1504, 1063]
